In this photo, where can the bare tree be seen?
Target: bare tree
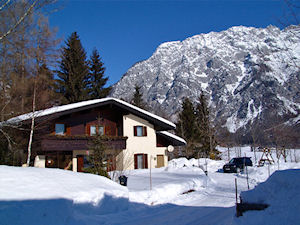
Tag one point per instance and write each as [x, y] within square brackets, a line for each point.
[26, 47]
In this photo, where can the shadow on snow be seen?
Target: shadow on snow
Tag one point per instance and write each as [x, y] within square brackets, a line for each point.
[109, 210]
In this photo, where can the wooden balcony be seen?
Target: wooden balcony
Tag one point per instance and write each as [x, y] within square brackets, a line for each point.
[70, 143]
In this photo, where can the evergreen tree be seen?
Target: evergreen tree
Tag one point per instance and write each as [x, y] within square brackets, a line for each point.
[194, 126]
[97, 80]
[74, 71]
[98, 157]
[204, 131]
[137, 98]
[185, 126]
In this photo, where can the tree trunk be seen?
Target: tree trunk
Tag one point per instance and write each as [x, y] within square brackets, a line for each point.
[32, 126]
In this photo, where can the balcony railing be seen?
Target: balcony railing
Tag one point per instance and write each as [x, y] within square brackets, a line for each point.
[69, 143]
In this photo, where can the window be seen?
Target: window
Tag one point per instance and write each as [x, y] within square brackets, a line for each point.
[140, 161]
[101, 130]
[59, 129]
[140, 131]
[95, 129]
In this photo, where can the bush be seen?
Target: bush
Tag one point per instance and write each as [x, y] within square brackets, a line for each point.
[100, 172]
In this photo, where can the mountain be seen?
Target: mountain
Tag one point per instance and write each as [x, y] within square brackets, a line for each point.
[250, 75]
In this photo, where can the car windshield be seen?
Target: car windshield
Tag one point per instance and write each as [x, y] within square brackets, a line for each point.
[237, 160]
[232, 160]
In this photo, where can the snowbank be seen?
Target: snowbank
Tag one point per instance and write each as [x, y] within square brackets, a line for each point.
[281, 193]
[281, 185]
[166, 185]
[19, 183]
[188, 164]
[34, 196]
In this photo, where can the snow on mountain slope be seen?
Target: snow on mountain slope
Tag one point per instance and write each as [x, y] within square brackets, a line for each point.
[249, 73]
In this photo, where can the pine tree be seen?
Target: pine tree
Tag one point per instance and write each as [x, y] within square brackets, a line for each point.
[97, 80]
[137, 98]
[204, 130]
[185, 126]
[98, 157]
[194, 126]
[74, 71]
[45, 85]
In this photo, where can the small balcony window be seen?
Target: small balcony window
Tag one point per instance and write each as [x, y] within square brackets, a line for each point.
[95, 129]
[101, 130]
[59, 129]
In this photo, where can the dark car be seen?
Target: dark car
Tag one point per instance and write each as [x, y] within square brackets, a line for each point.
[236, 165]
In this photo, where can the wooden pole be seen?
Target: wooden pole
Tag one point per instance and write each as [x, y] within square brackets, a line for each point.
[150, 175]
[236, 195]
[247, 177]
[236, 198]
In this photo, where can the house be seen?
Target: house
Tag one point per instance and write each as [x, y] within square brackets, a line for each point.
[134, 138]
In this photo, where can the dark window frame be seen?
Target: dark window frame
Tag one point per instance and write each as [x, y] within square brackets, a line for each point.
[145, 161]
[144, 131]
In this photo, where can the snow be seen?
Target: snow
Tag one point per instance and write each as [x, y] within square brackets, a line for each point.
[180, 193]
[280, 191]
[172, 136]
[67, 107]
[34, 183]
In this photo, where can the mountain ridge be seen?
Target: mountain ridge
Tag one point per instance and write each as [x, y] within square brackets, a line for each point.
[249, 74]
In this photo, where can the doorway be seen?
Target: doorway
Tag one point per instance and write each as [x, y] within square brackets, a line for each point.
[80, 163]
[160, 161]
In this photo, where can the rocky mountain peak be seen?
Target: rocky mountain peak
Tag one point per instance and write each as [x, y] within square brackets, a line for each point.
[250, 74]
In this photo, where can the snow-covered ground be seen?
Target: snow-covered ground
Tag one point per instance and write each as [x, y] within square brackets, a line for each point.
[180, 194]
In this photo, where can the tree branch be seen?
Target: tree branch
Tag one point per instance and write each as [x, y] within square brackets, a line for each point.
[4, 4]
[19, 21]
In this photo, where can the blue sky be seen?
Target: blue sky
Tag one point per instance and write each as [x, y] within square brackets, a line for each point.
[125, 32]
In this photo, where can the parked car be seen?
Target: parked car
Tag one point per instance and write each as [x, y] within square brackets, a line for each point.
[237, 165]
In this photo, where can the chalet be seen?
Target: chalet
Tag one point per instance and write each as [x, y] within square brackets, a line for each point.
[134, 138]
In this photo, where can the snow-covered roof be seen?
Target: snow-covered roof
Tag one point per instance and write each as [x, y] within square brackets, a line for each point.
[172, 136]
[89, 104]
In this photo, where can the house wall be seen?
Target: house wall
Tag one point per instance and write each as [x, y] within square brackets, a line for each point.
[78, 123]
[137, 145]
[120, 125]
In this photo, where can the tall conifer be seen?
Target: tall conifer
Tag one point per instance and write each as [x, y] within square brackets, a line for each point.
[185, 126]
[74, 71]
[97, 80]
[137, 98]
[204, 130]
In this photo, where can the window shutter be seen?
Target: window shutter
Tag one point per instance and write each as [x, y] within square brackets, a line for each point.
[135, 130]
[145, 161]
[144, 131]
[88, 132]
[52, 128]
[135, 162]
[68, 132]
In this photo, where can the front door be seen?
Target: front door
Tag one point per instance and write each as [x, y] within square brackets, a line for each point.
[160, 161]
[80, 163]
